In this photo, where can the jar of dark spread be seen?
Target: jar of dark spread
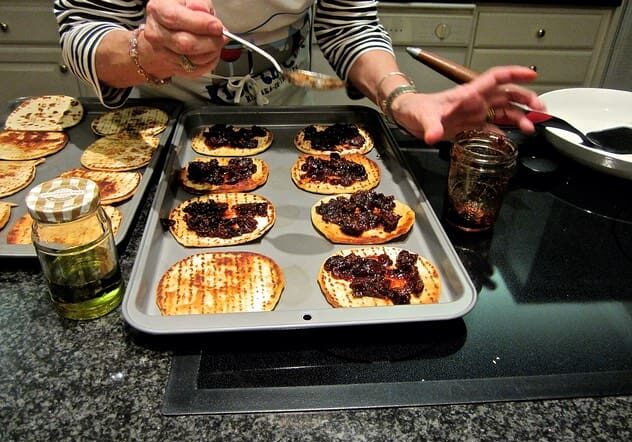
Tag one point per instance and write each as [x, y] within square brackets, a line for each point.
[73, 239]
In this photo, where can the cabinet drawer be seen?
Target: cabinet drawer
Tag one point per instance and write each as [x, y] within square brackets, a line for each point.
[35, 79]
[428, 29]
[545, 30]
[552, 66]
[28, 23]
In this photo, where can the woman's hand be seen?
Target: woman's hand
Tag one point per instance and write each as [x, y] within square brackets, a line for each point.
[180, 28]
[440, 116]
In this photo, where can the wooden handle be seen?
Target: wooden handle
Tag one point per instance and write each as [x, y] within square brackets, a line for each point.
[448, 68]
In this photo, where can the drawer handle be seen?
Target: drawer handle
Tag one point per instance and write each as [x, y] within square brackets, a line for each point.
[63, 68]
[442, 31]
[533, 67]
[541, 33]
[4, 27]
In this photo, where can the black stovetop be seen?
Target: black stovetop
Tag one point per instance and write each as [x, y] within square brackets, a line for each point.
[553, 317]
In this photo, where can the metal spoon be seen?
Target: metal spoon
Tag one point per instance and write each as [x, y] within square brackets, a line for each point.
[297, 77]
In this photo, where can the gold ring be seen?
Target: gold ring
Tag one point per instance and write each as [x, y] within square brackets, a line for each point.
[186, 64]
[491, 115]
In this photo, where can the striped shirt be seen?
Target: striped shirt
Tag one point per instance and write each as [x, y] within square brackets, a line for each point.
[344, 30]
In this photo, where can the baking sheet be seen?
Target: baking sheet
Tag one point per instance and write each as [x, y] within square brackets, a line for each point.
[80, 137]
[292, 242]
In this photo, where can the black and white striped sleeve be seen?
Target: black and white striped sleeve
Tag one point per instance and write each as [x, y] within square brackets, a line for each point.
[345, 29]
[82, 26]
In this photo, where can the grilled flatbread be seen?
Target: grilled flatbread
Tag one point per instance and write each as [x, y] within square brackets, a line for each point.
[220, 282]
[5, 213]
[119, 153]
[335, 179]
[339, 293]
[220, 175]
[46, 112]
[29, 145]
[16, 175]
[357, 212]
[20, 232]
[114, 187]
[190, 238]
[341, 138]
[144, 120]
[231, 141]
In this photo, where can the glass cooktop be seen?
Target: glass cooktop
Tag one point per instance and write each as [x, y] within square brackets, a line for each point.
[553, 318]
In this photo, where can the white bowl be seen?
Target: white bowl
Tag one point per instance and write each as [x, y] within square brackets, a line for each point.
[590, 109]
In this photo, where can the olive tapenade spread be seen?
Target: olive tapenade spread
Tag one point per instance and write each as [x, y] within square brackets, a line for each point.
[377, 277]
[237, 169]
[336, 170]
[226, 135]
[209, 218]
[361, 211]
[333, 136]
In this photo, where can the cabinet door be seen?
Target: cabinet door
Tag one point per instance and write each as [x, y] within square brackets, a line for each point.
[21, 80]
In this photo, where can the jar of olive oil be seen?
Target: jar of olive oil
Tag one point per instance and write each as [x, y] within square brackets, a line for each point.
[73, 239]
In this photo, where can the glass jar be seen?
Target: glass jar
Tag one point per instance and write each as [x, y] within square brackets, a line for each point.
[73, 239]
[481, 166]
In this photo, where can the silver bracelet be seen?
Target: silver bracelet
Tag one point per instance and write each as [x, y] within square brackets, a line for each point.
[388, 101]
[133, 53]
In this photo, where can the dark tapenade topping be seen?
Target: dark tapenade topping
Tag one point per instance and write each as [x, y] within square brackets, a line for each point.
[334, 136]
[377, 277]
[336, 171]
[227, 135]
[362, 211]
[209, 218]
[237, 169]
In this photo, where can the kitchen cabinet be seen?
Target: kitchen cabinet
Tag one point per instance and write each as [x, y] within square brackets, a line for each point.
[30, 57]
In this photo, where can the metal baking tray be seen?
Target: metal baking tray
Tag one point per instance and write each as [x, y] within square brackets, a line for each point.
[292, 242]
[80, 137]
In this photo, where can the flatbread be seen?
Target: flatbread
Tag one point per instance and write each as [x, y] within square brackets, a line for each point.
[114, 187]
[46, 113]
[20, 232]
[119, 153]
[377, 235]
[225, 149]
[304, 182]
[189, 238]
[342, 145]
[16, 175]
[5, 213]
[220, 282]
[29, 145]
[258, 178]
[145, 120]
[339, 294]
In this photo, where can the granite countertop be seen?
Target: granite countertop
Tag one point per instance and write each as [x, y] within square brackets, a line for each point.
[95, 380]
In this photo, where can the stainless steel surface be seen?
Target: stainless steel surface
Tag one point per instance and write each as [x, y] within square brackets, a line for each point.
[80, 137]
[298, 77]
[292, 242]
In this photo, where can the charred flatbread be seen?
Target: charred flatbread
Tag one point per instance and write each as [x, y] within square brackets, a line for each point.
[216, 175]
[45, 112]
[223, 140]
[119, 153]
[362, 218]
[342, 138]
[386, 276]
[5, 213]
[20, 232]
[220, 282]
[29, 145]
[333, 173]
[221, 219]
[16, 175]
[144, 120]
[114, 187]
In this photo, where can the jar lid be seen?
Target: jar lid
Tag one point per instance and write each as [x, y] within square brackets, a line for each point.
[62, 199]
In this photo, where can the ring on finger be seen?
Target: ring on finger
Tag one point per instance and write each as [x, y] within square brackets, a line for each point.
[491, 115]
[187, 64]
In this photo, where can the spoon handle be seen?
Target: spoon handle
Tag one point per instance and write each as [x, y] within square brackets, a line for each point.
[255, 48]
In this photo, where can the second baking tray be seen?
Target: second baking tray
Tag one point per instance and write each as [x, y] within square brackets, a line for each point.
[292, 242]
